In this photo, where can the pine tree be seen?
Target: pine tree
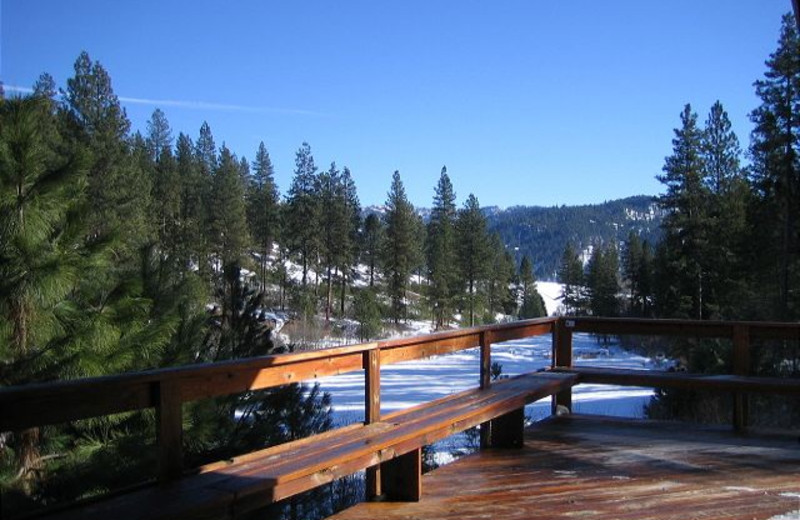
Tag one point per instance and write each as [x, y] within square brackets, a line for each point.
[686, 222]
[602, 281]
[398, 245]
[727, 215]
[334, 227]
[501, 275]
[775, 151]
[349, 234]
[570, 275]
[43, 255]
[473, 251]
[205, 156]
[159, 134]
[166, 187]
[263, 209]
[228, 225]
[117, 196]
[441, 252]
[302, 211]
[192, 218]
[532, 302]
[371, 239]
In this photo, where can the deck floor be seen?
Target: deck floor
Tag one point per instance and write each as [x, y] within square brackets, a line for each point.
[601, 468]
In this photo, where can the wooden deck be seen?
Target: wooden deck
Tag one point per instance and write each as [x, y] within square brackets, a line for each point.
[603, 468]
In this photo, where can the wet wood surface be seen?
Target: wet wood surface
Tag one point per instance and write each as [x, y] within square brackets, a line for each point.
[602, 468]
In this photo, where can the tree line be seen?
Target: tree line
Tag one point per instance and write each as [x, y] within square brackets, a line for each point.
[124, 251]
[729, 246]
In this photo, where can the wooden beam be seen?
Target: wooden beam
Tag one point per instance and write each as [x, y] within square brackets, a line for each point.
[741, 367]
[169, 421]
[507, 430]
[485, 381]
[562, 357]
[372, 413]
[401, 477]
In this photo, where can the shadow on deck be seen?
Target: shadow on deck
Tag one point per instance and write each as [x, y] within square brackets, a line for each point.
[598, 467]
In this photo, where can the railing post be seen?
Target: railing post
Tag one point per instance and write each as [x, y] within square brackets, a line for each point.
[169, 424]
[741, 367]
[486, 381]
[562, 357]
[372, 411]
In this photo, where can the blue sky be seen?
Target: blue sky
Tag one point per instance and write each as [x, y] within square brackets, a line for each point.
[526, 102]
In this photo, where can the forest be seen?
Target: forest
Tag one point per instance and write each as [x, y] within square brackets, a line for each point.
[122, 251]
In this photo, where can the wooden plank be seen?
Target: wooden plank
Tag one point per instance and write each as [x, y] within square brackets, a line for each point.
[610, 470]
[522, 331]
[204, 385]
[741, 367]
[562, 357]
[57, 402]
[656, 378]
[169, 428]
[401, 477]
[372, 413]
[39, 405]
[648, 327]
[485, 381]
[390, 355]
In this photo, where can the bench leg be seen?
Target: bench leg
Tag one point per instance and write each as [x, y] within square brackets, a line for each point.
[562, 401]
[401, 477]
[507, 430]
[373, 482]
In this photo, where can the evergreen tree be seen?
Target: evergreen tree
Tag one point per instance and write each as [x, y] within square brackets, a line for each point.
[637, 266]
[727, 216]
[441, 252]
[228, 226]
[499, 296]
[473, 251]
[775, 151]
[117, 195]
[263, 209]
[193, 210]
[532, 302]
[603, 281]
[349, 235]
[686, 222]
[398, 245]
[334, 227]
[371, 239]
[166, 186]
[159, 135]
[570, 275]
[302, 211]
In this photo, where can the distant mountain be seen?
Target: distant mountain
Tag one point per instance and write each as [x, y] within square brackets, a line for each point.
[542, 233]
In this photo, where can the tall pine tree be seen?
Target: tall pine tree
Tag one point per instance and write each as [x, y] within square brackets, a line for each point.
[441, 252]
[398, 245]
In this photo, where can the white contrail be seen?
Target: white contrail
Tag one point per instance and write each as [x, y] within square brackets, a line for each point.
[205, 105]
[195, 105]
[14, 88]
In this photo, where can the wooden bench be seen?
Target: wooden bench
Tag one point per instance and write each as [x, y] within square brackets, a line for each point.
[230, 488]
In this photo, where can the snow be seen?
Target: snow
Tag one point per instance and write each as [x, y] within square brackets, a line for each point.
[551, 294]
[410, 383]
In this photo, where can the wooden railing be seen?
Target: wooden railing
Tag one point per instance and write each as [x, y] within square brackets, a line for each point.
[166, 390]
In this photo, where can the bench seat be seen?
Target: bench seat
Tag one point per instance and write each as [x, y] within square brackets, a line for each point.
[230, 488]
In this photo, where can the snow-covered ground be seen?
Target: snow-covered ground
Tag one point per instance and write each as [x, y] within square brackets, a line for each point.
[551, 294]
[413, 382]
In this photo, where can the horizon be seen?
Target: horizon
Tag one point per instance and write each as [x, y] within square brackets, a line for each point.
[528, 103]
